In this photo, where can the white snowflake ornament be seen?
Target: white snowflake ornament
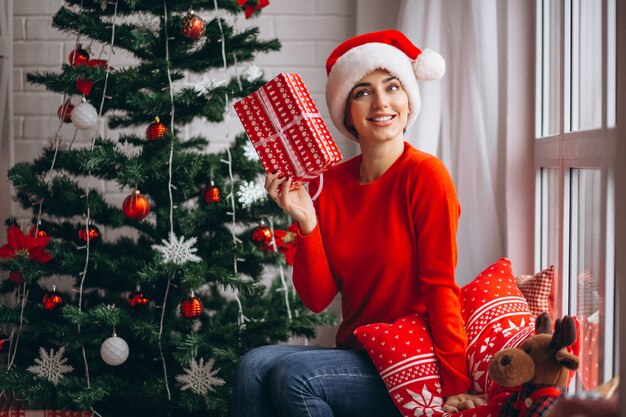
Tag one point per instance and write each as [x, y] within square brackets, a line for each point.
[178, 251]
[252, 73]
[200, 377]
[249, 152]
[128, 149]
[51, 366]
[250, 193]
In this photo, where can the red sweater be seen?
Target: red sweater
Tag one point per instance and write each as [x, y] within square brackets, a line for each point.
[389, 247]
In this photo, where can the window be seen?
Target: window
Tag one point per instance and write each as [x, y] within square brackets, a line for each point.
[575, 129]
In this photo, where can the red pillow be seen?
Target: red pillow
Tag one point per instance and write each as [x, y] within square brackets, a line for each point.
[404, 356]
[537, 289]
[496, 317]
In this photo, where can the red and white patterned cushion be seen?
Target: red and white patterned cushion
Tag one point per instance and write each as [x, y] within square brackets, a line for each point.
[537, 289]
[404, 356]
[496, 317]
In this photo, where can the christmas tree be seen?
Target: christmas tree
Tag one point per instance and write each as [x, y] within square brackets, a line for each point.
[143, 308]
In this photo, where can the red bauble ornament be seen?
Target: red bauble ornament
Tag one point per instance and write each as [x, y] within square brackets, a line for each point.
[261, 236]
[94, 233]
[65, 112]
[191, 307]
[37, 231]
[156, 130]
[136, 206]
[212, 194]
[193, 26]
[138, 301]
[78, 56]
[4, 342]
[52, 300]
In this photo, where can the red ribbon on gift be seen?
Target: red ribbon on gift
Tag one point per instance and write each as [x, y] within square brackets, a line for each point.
[280, 133]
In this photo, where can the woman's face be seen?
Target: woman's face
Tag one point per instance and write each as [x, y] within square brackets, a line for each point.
[378, 107]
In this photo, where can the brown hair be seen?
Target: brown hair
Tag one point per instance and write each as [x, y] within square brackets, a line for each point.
[349, 127]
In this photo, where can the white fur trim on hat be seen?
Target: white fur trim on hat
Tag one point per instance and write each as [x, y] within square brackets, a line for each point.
[356, 64]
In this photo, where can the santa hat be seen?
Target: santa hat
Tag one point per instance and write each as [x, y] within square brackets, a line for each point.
[390, 50]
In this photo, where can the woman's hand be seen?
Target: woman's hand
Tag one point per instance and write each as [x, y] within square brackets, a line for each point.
[460, 402]
[297, 203]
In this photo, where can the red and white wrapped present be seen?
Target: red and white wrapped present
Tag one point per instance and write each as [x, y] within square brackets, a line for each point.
[9, 407]
[287, 130]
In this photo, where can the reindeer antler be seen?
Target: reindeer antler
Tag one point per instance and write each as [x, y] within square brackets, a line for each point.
[543, 324]
[564, 333]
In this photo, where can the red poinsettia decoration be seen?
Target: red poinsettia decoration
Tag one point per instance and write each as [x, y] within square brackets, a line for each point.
[286, 241]
[250, 6]
[21, 245]
[83, 84]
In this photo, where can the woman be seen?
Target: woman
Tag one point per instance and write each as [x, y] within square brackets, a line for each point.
[382, 233]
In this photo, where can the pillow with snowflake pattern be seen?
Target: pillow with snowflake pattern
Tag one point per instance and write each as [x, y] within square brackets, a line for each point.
[404, 357]
[496, 317]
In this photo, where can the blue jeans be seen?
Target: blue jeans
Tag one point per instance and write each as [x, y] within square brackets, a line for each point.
[308, 381]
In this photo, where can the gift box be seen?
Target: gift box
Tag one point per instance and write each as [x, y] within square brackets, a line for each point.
[287, 130]
[13, 408]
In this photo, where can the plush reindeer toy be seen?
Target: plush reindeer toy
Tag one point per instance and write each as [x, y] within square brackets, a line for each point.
[540, 367]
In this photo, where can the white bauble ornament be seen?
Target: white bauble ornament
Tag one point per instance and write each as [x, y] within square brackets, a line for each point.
[84, 116]
[114, 350]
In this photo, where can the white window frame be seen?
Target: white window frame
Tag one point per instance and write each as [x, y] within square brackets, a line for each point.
[566, 151]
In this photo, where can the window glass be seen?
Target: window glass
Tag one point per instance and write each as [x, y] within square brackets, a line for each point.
[586, 271]
[585, 37]
[575, 206]
[550, 229]
[549, 67]
[611, 63]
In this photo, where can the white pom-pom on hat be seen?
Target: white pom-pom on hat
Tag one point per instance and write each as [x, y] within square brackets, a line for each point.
[429, 65]
[390, 50]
